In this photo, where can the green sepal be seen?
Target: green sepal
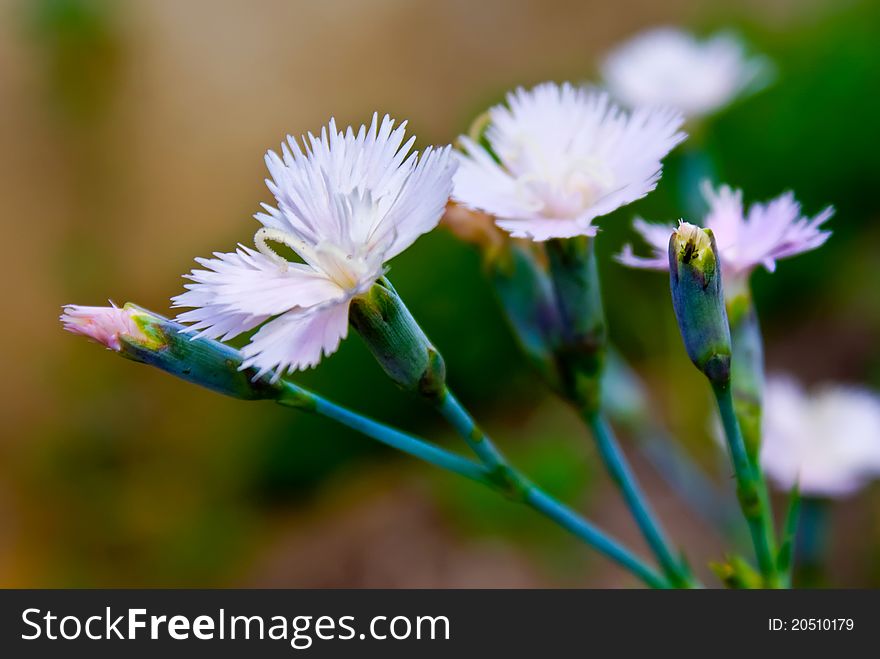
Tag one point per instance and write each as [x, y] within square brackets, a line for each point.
[397, 342]
[581, 351]
[164, 344]
[698, 300]
[526, 295]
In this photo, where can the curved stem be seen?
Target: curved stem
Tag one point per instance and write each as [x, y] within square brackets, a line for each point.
[453, 411]
[516, 486]
[577, 525]
[621, 473]
[751, 489]
[693, 486]
[301, 399]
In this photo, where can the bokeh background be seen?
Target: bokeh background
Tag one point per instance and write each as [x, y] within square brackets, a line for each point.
[131, 141]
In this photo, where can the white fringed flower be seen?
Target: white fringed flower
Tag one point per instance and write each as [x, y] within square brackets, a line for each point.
[560, 157]
[670, 67]
[768, 232]
[346, 205]
[827, 442]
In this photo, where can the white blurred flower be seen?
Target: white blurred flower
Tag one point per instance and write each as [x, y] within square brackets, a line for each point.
[828, 441]
[346, 205]
[565, 155]
[770, 231]
[670, 67]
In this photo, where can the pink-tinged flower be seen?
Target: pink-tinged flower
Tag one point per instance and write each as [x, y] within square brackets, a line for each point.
[669, 67]
[771, 231]
[828, 441]
[104, 325]
[347, 204]
[560, 157]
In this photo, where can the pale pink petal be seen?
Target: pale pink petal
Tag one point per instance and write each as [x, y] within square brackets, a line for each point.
[419, 205]
[297, 339]
[657, 236]
[240, 290]
[104, 325]
[826, 441]
[565, 156]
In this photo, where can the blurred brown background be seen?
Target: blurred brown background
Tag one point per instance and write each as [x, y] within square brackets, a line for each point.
[131, 141]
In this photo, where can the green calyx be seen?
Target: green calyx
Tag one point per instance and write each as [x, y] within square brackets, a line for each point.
[580, 354]
[698, 300]
[397, 342]
[162, 343]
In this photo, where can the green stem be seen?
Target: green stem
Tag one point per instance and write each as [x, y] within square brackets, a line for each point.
[294, 396]
[751, 489]
[517, 487]
[459, 418]
[577, 525]
[618, 468]
[496, 474]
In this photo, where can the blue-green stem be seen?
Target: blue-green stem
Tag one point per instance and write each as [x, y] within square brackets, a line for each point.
[517, 487]
[689, 481]
[301, 399]
[751, 489]
[811, 542]
[459, 418]
[498, 476]
[574, 523]
[620, 472]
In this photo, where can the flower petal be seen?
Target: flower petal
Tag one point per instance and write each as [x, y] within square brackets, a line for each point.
[238, 291]
[297, 339]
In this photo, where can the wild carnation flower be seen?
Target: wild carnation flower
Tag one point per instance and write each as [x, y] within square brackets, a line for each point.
[560, 157]
[346, 205]
[104, 325]
[768, 232]
[670, 67]
[827, 442]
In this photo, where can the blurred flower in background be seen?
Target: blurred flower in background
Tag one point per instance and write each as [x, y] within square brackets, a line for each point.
[769, 231]
[825, 442]
[560, 156]
[672, 68]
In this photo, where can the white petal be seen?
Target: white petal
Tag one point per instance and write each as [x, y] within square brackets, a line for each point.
[828, 440]
[670, 67]
[419, 204]
[565, 156]
[297, 339]
[542, 229]
[360, 194]
[238, 291]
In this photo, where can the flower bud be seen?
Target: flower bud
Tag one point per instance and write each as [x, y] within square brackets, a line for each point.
[148, 338]
[526, 294]
[397, 342]
[698, 300]
[581, 352]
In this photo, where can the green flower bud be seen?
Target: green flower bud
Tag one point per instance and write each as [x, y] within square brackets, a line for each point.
[698, 300]
[397, 342]
[527, 297]
[205, 362]
[148, 338]
[581, 352]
